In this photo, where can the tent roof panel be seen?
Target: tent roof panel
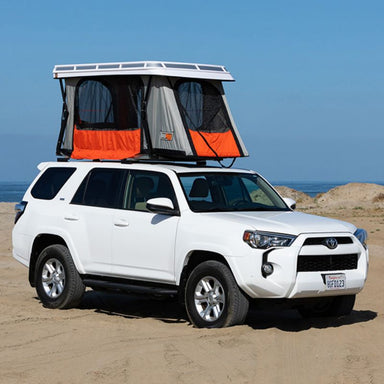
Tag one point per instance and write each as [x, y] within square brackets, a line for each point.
[159, 68]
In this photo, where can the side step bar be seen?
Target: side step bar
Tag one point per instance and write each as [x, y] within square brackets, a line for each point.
[130, 288]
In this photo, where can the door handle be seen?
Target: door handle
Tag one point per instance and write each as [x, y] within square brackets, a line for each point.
[71, 218]
[121, 223]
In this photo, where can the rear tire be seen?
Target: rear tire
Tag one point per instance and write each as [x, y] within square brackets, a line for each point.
[58, 284]
[328, 307]
[213, 298]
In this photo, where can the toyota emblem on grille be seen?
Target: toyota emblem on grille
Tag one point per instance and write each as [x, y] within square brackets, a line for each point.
[331, 242]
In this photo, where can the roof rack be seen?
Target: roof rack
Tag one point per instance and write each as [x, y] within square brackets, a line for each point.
[160, 68]
[182, 163]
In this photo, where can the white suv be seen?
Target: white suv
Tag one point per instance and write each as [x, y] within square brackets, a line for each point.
[216, 237]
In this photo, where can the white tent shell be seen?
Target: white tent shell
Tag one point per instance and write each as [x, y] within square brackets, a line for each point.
[158, 68]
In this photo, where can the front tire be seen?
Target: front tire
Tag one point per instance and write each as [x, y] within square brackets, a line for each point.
[212, 297]
[58, 284]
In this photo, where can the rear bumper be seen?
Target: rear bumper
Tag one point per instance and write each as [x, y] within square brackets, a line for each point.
[21, 244]
[20, 258]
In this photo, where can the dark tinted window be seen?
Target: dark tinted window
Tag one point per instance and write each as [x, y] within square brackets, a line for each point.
[50, 182]
[145, 185]
[101, 188]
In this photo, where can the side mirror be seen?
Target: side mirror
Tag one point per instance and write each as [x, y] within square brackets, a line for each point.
[290, 202]
[162, 206]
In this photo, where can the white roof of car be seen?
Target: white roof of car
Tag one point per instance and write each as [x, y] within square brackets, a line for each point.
[159, 68]
[148, 166]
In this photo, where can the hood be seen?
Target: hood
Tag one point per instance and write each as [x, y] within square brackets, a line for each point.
[294, 223]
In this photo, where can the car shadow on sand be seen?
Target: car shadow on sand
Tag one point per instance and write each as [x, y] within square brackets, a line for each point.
[134, 306]
[170, 311]
[290, 320]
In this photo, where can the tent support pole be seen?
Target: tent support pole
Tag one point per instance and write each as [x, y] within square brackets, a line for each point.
[144, 118]
[64, 117]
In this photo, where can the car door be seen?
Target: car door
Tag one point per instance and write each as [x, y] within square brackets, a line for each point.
[143, 243]
[90, 217]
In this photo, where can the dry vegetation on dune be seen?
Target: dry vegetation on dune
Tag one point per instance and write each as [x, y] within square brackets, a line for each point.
[127, 339]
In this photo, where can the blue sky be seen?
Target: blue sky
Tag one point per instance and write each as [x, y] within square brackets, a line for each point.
[309, 91]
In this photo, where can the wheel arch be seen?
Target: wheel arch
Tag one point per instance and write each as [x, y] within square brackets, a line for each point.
[232, 306]
[41, 242]
[193, 259]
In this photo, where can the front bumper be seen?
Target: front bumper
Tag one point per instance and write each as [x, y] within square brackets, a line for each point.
[287, 282]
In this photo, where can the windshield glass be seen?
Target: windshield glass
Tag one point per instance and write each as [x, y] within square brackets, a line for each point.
[225, 192]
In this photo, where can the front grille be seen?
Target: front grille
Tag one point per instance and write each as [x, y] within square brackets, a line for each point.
[326, 263]
[321, 240]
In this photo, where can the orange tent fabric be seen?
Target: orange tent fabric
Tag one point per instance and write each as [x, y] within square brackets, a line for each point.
[223, 144]
[104, 144]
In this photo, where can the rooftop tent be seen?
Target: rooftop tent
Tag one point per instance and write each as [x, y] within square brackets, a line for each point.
[159, 109]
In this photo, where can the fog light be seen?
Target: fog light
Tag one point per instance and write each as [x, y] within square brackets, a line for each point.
[267, 269]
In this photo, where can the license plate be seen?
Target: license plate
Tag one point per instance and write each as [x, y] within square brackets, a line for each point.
[336, 281]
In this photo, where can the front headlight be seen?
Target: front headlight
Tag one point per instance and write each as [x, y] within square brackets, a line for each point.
[264, 240]
[362, 236]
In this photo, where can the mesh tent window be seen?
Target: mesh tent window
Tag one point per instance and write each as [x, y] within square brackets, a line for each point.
[202, 107]
[115, 104]
[94, 106]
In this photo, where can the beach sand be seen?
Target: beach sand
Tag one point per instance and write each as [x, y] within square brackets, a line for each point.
[114, 338]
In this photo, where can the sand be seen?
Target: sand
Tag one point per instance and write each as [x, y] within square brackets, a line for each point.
[113, 338]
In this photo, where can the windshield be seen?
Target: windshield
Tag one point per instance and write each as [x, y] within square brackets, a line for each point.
[227, 192]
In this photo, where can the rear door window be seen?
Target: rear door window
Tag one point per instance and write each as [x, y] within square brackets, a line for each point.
[50, 182]
[102, 187]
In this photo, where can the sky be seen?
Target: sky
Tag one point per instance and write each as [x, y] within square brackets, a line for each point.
[309, 92]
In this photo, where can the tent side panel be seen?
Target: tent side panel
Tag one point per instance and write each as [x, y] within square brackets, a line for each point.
[235, 130]
[214, 144]
[207, 119]
[70, 90]
[102, 144]
[105, 116]
[165, 124]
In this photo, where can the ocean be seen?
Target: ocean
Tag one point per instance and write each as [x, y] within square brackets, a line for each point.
[14, 191]
[310, 188]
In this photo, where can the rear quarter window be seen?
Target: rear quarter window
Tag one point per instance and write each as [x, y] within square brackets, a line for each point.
[50, 182]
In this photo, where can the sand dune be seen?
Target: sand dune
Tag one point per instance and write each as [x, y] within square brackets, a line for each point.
[349, 195]
[127, 339]
[352, 194]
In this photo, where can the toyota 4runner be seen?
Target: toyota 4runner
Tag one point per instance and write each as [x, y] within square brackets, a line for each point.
[218, 238]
